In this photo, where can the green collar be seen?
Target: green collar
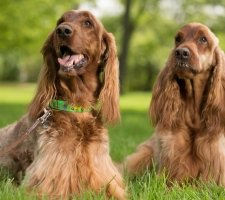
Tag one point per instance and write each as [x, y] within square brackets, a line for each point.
[64, 106]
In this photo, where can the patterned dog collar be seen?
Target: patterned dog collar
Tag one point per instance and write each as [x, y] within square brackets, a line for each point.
[64, 106]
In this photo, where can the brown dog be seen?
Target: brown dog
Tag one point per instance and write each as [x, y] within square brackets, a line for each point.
[188, 111]
[79, 82]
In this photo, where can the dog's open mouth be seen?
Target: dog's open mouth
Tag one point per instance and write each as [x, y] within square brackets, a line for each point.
[71, 60]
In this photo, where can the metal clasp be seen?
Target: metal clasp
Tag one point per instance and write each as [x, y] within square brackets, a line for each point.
[45, 116]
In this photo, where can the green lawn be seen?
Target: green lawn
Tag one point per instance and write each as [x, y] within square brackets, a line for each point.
[133, 129]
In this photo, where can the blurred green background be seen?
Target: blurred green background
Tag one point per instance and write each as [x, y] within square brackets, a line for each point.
[144, 32]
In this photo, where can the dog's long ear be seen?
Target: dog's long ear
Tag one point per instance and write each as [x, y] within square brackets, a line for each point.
[46, 82]
[214, 111]
[109, 94]
[166, 106]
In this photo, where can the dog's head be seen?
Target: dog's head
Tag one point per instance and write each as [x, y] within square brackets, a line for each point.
[192, 78]
[194, 50]
[80, 45]
[78, 42]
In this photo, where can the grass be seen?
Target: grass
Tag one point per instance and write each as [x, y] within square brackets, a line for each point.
[133, 129]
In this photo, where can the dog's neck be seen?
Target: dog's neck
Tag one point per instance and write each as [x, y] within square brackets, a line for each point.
[78, 90]
[193, 91]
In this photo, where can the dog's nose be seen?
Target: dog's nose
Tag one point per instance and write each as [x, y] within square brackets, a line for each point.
[182, 53]
[64, 30]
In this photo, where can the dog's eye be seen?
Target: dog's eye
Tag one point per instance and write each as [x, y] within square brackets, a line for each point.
[203, 39]
[87, 23]
[60, 21]
[178, 39]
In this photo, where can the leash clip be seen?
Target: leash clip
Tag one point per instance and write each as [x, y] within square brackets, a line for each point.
[45, 116]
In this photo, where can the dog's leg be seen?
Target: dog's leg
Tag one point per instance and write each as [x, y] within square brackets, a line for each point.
[115, 187]
[142, 159]
[15, 158]
[7, 160]
[116, 190]
[104, 173]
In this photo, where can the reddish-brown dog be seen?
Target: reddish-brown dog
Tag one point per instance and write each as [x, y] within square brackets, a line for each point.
[188, 111]
[70, 154]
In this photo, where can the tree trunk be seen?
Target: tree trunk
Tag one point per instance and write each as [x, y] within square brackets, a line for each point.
[128, 29]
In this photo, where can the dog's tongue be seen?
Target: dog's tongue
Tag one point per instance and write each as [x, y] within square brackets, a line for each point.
[70, 60]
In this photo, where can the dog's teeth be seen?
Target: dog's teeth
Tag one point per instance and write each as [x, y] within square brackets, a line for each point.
[70, 63]
[77, 59]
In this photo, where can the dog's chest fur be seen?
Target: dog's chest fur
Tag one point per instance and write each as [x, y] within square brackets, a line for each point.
[70, 147]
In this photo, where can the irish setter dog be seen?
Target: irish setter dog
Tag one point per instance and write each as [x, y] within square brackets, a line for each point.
[188, 112]
[78, 82]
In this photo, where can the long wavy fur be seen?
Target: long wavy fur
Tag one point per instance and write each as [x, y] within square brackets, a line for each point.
[188, 112]
[108, 96]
